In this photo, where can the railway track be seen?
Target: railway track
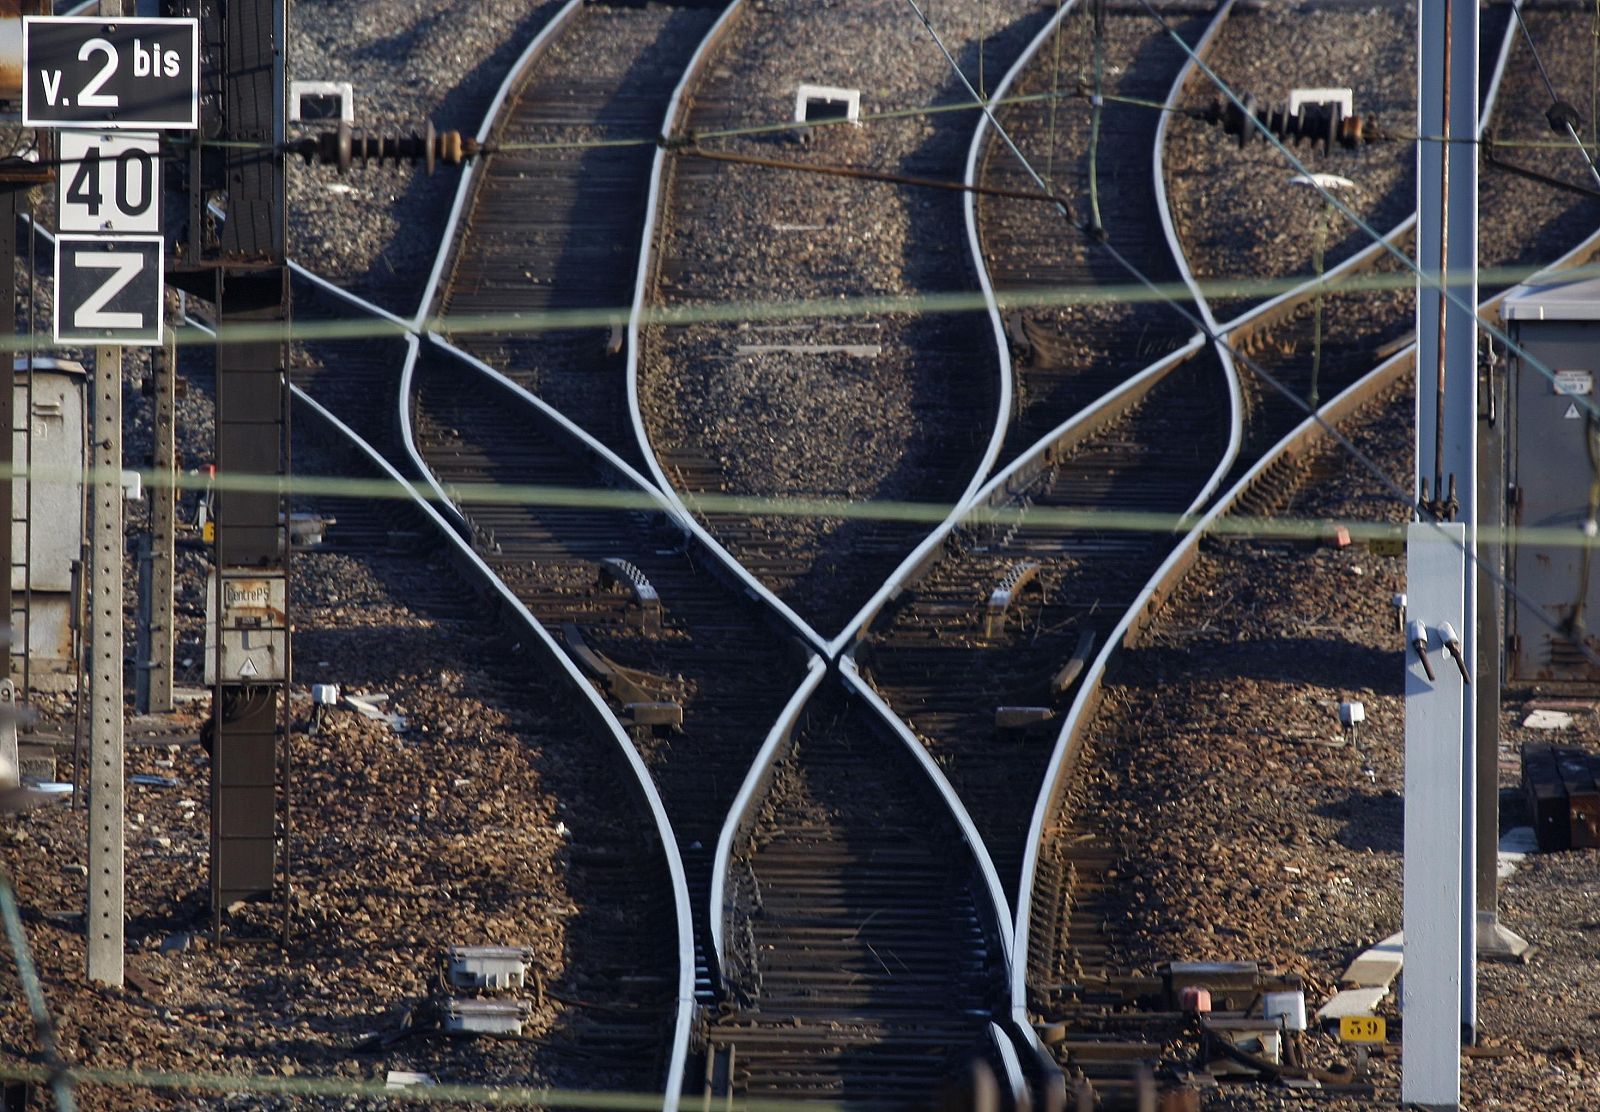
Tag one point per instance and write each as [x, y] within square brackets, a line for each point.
[617, 985]
[994, 613]
[1066, 356]
[656, 637]
[552, 229]
[619, 1018]
[982, 655]
[895, 406]
[982, 647]
[695, 669]
[1061, 920]
[805, 1012]
[865, 958]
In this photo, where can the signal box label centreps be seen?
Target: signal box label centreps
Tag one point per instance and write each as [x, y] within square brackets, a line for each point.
[104, 73]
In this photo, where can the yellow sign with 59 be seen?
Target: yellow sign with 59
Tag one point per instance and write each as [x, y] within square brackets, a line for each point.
[1362, 1028]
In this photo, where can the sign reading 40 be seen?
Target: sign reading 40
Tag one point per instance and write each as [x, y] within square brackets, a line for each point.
[126, 73]
[109, 182]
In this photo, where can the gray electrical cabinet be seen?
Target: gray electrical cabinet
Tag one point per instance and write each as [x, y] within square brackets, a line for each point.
[48, 437]
[1553, 491]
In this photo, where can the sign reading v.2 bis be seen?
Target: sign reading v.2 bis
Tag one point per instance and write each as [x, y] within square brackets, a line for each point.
[122, 73]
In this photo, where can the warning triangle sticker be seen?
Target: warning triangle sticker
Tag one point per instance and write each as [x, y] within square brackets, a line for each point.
[248, 668]
[1572, 411]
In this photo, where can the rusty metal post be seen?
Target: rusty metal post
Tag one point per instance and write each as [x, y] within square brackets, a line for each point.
[163, 495]
[249, 664]
[8, 403]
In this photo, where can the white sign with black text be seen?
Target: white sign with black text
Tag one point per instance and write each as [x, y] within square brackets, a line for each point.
[109, 182]
[109, 290]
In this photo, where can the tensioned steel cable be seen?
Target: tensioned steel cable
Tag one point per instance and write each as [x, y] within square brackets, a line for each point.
[1556, 101]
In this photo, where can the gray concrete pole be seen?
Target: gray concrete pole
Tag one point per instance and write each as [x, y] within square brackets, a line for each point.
[1447, 415]
[106, 784]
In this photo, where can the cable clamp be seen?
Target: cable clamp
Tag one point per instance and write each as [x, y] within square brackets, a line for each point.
[1562, 116]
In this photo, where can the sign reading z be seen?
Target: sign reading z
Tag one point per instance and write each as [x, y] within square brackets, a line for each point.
[108, 290]
[80, 71]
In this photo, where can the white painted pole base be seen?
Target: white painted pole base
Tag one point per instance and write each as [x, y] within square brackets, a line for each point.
[1435, 708]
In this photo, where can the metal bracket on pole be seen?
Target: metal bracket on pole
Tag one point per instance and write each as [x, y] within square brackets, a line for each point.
[1435, 586]
[105, 924]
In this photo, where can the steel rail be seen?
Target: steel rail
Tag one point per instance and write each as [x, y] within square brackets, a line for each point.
[926, 554]
[1169, 575]
[419, 327]
[655, 199]
[656, 488]
[969, 209]
[1120, 400]
[1307, 435]
[644, 273]
[402, 391]
[1016, 1083]
[466, 188]
[742, 814]
[685, 1001]
[832, 647]
[958, 810]
[1224, 351]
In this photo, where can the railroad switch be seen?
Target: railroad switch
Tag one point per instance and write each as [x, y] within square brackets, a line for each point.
[346, 146]
[1321, 124]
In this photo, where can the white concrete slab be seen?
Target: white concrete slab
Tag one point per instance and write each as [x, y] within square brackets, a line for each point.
[1548, 720]
[1352, 1001]
[1377, 966]
[1515, 844]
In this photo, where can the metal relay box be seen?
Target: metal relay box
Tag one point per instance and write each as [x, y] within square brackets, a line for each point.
[254, 629]
[487, 1017]
[491, 967]
[1553, 476]
[49, 437]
